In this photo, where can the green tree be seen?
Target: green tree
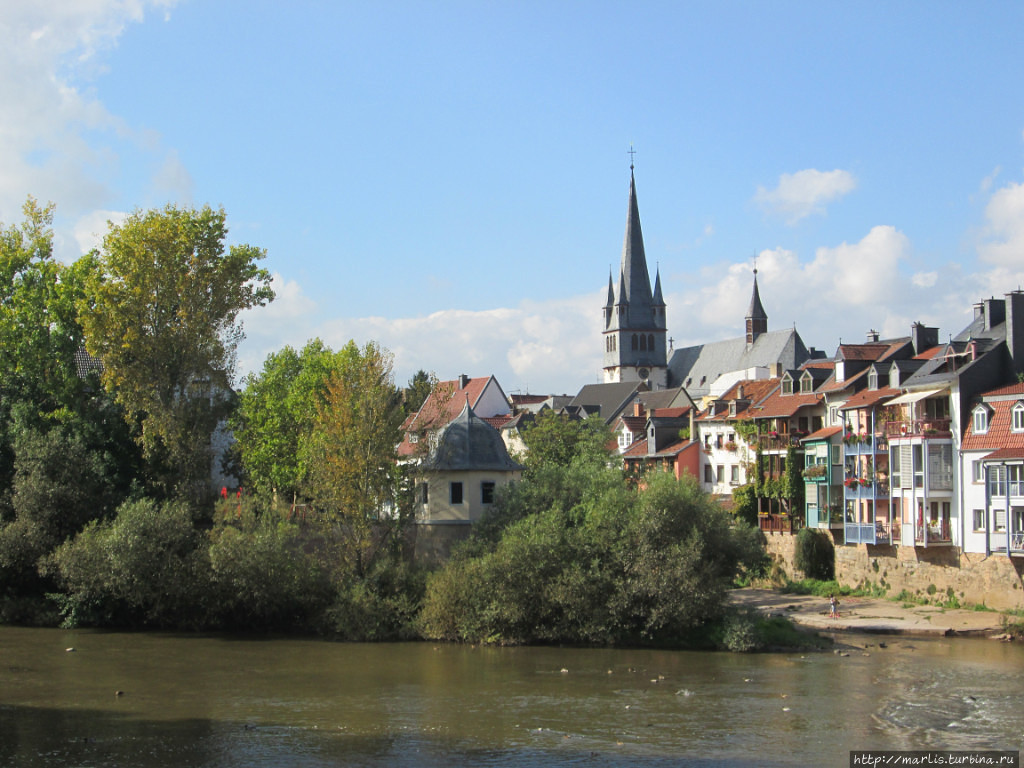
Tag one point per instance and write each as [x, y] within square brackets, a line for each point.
[354, 473]
[556, 439]
[276, 413]
[418, 390]
[162, 311]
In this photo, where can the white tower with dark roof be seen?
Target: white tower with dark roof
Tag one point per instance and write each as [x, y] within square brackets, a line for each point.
[634, 318]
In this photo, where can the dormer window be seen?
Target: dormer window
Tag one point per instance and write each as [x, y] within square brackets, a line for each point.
[979, 420]
[1018, 417]
[806, 384]
[787, 385]
[873, 379]
[732, 408]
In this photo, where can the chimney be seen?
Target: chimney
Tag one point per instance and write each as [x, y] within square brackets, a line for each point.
[995, 312]
[1015, 329]
[872, 336]
[463, 381]
[972, 346]
[739, 391]
[923, 337]
[638, 408]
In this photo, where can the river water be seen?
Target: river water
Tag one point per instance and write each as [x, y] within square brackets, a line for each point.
[153, 700]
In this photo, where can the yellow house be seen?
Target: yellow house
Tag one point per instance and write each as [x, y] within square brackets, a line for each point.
[457, 483]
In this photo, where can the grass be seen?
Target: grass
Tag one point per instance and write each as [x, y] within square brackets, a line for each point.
[826, 588]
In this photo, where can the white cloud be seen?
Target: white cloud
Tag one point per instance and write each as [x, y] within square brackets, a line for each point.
[49, 52]
[925, 279]
[534, 346]
[1003, 237]
[800, 194]
[90, 229]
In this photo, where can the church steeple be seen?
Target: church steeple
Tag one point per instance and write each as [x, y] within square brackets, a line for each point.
[757, 318]
[634, 344]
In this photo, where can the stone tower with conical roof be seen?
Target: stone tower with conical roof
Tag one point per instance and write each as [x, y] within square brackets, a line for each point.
[757, 318]
[634, 318]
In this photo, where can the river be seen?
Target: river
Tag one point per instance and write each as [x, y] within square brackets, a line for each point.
[153, 700]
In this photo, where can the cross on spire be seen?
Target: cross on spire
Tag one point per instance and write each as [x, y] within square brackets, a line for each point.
[631, 153]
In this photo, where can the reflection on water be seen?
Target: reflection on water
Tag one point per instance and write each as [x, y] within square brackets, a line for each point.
[214, 701]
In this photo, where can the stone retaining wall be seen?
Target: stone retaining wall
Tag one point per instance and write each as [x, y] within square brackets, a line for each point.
[936, 573]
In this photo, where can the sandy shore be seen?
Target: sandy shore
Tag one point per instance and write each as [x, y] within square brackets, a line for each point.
[873, 615]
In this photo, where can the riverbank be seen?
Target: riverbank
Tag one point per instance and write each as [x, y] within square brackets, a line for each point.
[870, 615]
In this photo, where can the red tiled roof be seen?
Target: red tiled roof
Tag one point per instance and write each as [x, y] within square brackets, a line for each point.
[442, 405]
[1009, 389]
[778, 405]
[863, 351]
[754, 390]
[868, 397]
[929, 353]
[633, 423]
[1005, 453]
[999, 434]
[637, 449]
[498, 421]
[823, 434]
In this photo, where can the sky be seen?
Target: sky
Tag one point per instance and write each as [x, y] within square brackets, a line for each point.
[450, 179]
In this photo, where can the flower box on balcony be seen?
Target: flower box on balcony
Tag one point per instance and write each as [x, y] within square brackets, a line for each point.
[731, 446]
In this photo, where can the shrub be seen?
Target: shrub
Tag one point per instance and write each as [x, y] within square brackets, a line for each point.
[815, 554]
[145, 568]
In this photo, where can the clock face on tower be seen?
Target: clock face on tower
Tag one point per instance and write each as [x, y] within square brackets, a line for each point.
[643, 373]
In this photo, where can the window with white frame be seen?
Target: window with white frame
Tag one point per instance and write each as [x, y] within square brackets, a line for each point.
[833, 415]
[979, 420]
[1018, 418]
[734, 474]
[977, 472]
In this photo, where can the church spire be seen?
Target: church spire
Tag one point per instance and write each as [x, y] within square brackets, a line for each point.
[634, 276]
[757, 318]
[635, 330]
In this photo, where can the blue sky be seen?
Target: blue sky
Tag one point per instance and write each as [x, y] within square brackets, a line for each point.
[450, 179]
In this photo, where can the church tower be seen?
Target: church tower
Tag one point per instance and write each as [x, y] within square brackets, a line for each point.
[634, 318]
[757, 318]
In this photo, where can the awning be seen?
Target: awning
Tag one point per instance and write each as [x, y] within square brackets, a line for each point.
[913, 397]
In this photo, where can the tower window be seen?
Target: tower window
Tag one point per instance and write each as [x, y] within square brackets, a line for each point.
[636, 342]
[650, 342]
[643, 343]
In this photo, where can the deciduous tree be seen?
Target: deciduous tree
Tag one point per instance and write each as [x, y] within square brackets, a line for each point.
[162, 314]
[354, 474]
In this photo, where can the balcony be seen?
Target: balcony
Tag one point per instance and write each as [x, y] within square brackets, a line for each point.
[931, 428]
[864, 445]
[867, 533]
[938, 533]
[773, 523]
[777, 442]
[855, 489]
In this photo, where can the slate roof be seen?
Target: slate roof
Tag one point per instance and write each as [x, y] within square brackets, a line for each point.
[696, 368]
[608, 400]
[470, 443]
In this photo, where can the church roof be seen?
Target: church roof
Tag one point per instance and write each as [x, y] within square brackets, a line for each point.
[696, 368]
[470, 443]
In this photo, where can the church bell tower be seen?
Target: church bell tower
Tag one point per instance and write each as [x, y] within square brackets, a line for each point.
[634, 318]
